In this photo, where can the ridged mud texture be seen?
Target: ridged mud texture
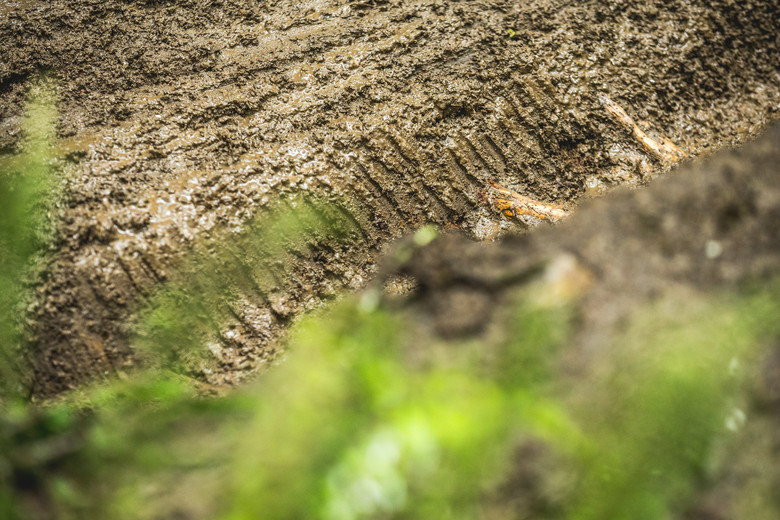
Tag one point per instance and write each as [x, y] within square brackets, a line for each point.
[182, 120]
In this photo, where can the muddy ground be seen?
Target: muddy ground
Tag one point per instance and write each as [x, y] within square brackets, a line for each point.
[182, 120]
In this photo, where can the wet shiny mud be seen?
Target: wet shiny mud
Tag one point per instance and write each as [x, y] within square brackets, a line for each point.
[180, 122]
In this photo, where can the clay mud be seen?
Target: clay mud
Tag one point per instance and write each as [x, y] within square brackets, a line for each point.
[182, 121]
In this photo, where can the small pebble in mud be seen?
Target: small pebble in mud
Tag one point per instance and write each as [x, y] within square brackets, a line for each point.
[713, 249]
[282, 305]
[594, 186]
[487, 229]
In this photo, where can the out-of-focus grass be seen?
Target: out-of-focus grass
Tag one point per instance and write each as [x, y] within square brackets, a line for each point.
[189, 312]
[403, 440]
[429, 444]
[28, 191]
[671, 393]
[353, 425]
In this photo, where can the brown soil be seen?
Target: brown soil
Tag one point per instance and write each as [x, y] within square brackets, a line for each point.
[182, 118]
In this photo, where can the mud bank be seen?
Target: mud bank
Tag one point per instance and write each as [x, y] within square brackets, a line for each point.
[180, 121]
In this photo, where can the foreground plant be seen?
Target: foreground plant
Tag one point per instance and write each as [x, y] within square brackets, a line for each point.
[28, 192]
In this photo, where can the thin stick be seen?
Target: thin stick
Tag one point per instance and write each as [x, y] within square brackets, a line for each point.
[511, 204]
[663, 149]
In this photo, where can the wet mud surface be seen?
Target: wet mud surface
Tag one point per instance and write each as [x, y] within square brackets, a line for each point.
[182, 120]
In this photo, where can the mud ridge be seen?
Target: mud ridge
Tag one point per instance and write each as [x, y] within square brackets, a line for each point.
[182, 120]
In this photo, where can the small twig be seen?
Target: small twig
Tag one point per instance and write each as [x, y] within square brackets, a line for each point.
[664, 149]
[512, 205]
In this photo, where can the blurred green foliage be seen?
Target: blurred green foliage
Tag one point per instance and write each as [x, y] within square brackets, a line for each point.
[189, 312]
[368, 415]
[28, 192]
[358, 422]
[673, 391]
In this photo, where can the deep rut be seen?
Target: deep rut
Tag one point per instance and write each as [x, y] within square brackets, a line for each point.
[183, 120]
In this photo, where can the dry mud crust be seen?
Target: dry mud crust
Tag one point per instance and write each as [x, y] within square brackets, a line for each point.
[182, 118]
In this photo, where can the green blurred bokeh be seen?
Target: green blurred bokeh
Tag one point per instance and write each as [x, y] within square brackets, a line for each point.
[28, 191]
